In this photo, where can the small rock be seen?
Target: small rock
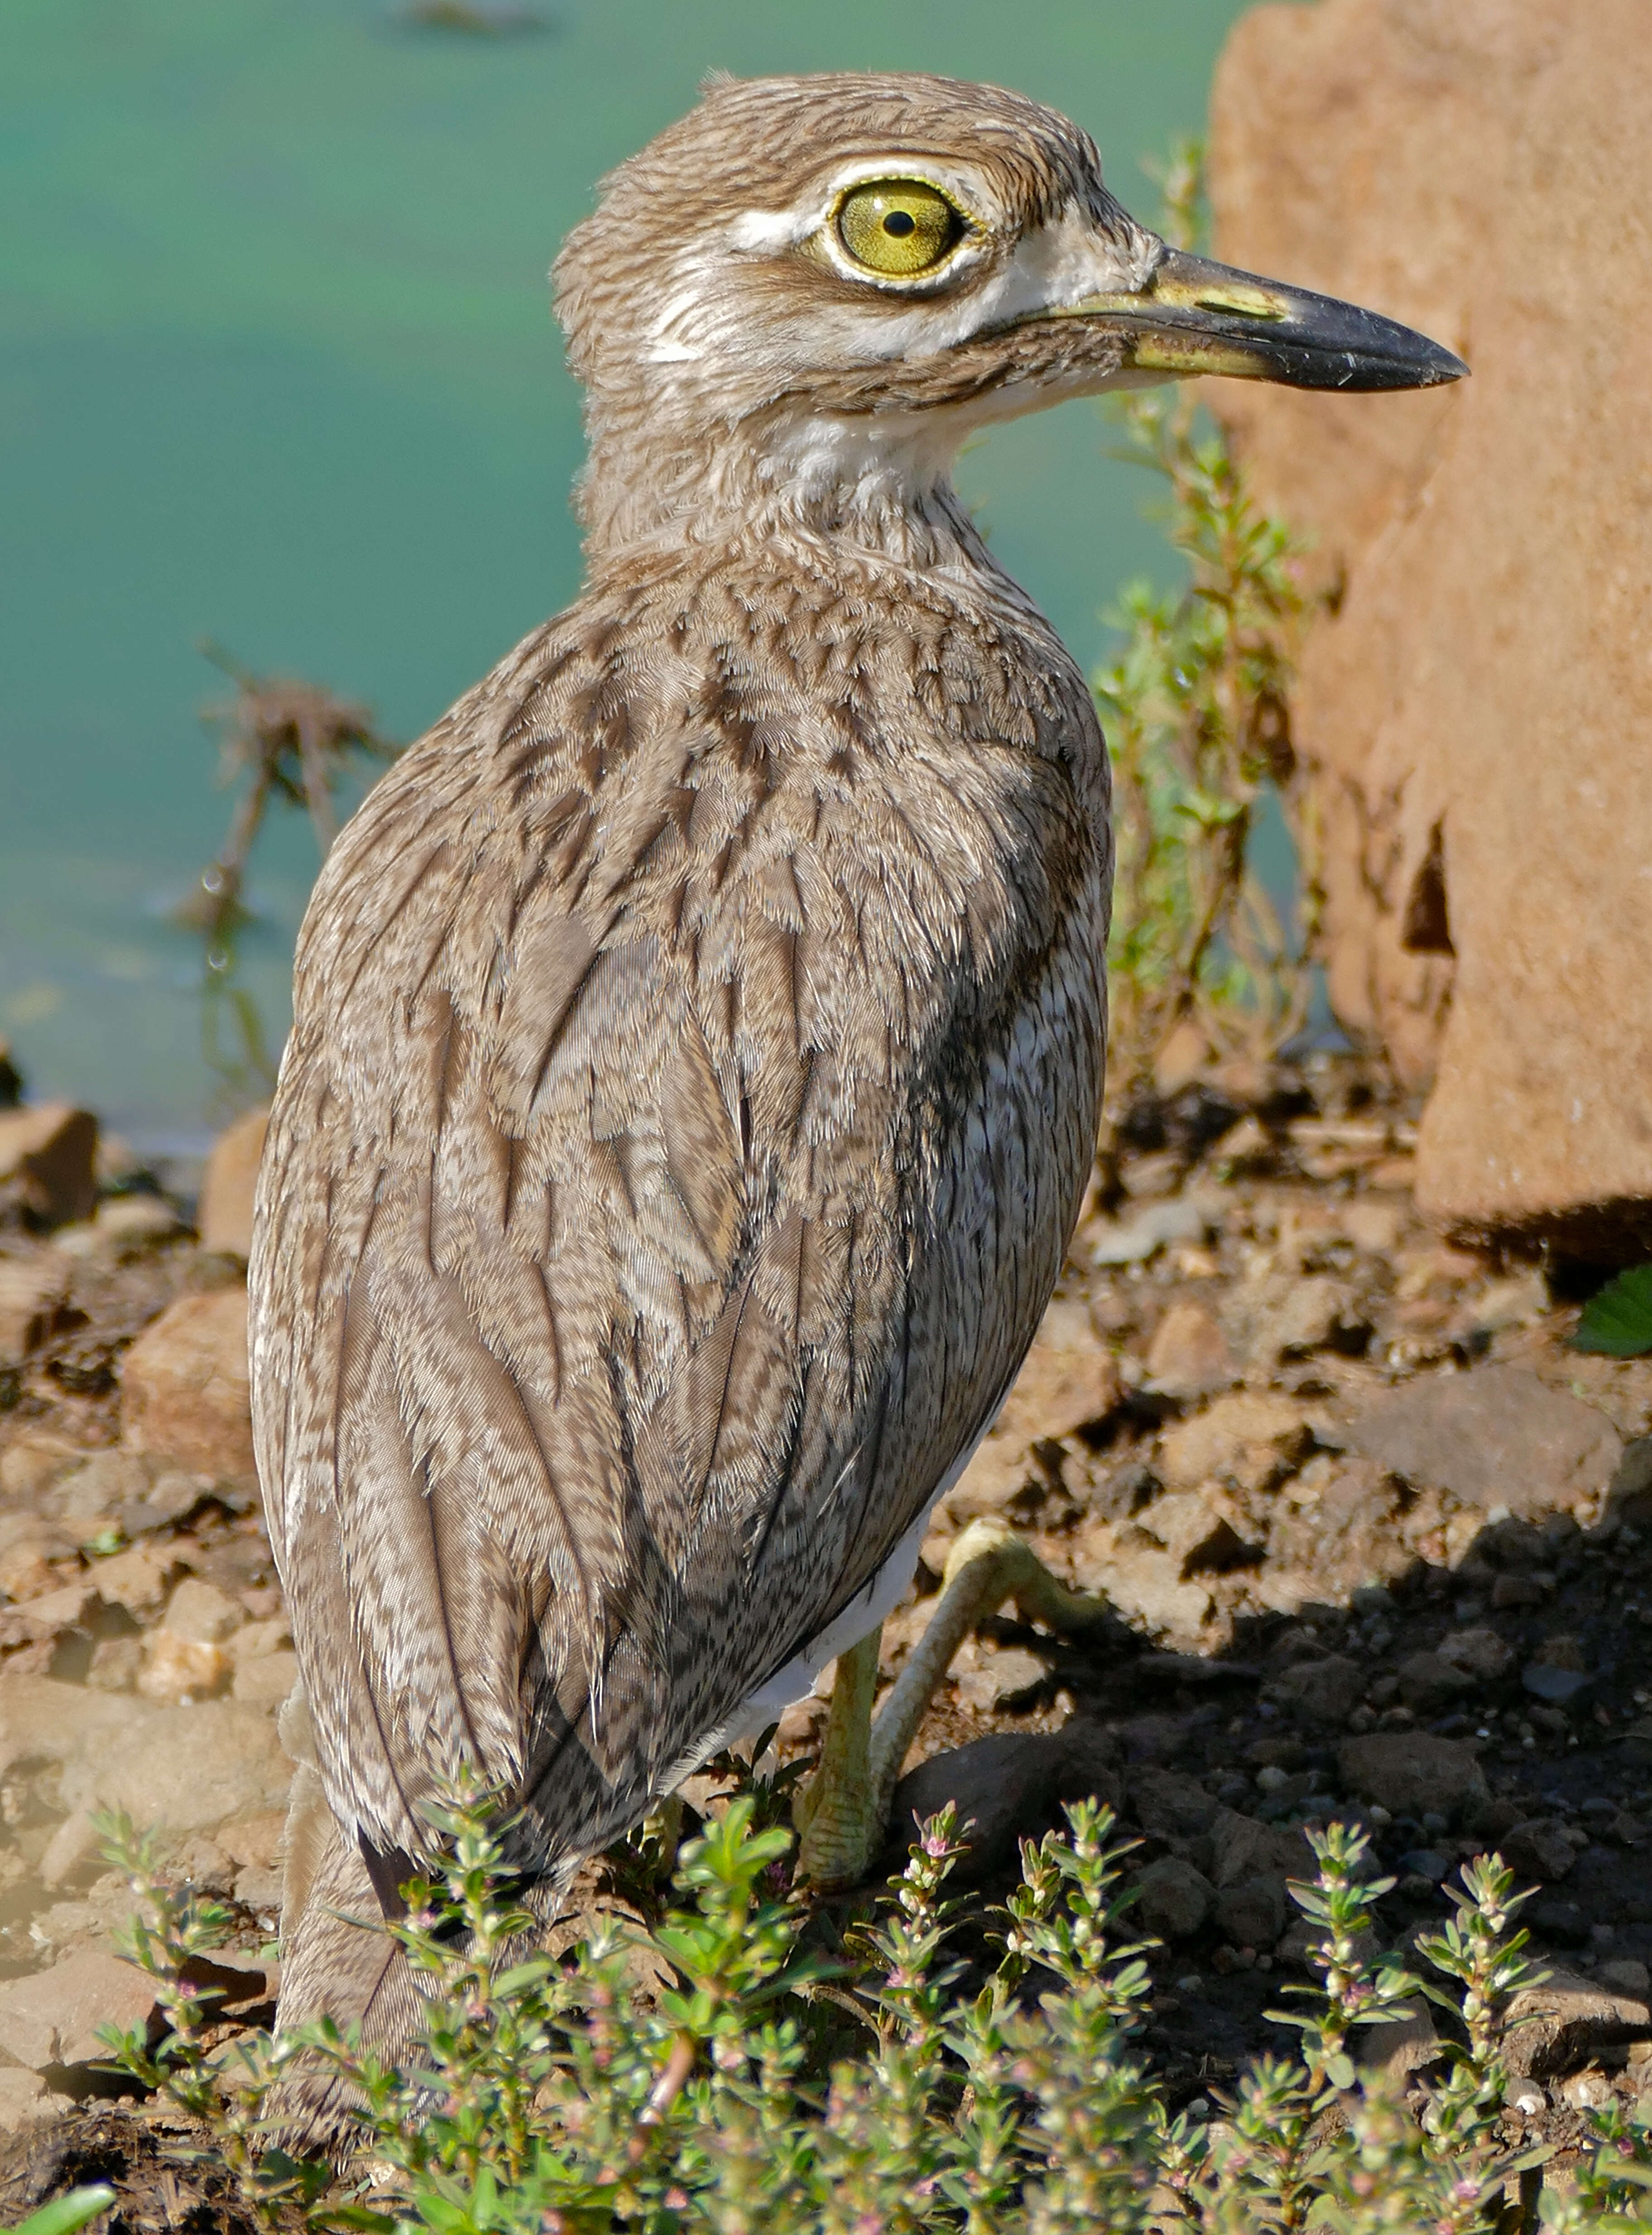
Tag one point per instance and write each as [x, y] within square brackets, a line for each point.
[1252, 1914]
[1480, 1653]
[193, 1768]
[1170, 1804]
[132, 1220]
[1373, 1227]
[1405, 2043]
[116, 1663]
[178, 1670]
[1409, 1772]
[1282, 1315]
[183, 1385]
[267, 1682]
[1188, 1354]
[226, 1189]
[1511, 1591]
[1201, 1529]
[48, 1155]
[34, 1460]
[49, 2019]
[90, 1494]
[137, 1579]
[25, 2100]
[1324, 1691]
[1554, 1686]
[1538, 1849]
[1146, 1586]
[1242, 1848]
[1425, 1863]
[1509, 1303]
[1243, 1438]
[33, 1292]
[1173, 1899]
[201, 1613]
[1567, 2022]
[1135, 1239]
[1498, 1436]
[47, 1616]
[1067, 1380]
[1006, 1788]
[1428, 1683]
[991, 1679]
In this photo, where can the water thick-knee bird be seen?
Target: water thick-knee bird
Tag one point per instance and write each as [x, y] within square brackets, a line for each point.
[698, 1037]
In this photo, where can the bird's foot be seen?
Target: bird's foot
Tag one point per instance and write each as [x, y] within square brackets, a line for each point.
[843, 1813]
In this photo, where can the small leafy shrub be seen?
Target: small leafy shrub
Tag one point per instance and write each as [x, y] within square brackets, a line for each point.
[700, 2090]
[1195, 708]
[1616, 1321]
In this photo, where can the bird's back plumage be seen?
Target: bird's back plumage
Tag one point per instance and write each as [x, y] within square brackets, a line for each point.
[697, 1047]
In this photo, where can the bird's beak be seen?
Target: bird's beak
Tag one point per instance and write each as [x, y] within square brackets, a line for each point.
[1193, 316]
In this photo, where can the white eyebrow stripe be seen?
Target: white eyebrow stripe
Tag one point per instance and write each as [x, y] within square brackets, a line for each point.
[755, 229]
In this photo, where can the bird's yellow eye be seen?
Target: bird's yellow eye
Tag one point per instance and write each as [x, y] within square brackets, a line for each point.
[900, 228]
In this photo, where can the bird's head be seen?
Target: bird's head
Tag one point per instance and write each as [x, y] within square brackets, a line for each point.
[806, 294]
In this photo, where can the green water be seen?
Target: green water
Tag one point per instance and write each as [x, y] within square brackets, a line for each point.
[277, 367]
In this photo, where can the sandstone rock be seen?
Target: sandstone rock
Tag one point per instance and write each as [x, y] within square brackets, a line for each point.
[1473, 715]
[1498, 1436]
[1413, 1772]
[1188, 1355]
[1374, 1227]
[47, 1154]
[33, 1292]
[183, 1385]
[129, 1222]
[225, 1215]
[1174, 1901]
[47, 1616]
[1243, 1439]
[49, 2019]
[1552, 2028]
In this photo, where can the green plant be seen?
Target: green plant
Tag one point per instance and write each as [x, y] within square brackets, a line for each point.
[1617, 1321]
[694, 2076]
[1196, 711]
[65, 2213]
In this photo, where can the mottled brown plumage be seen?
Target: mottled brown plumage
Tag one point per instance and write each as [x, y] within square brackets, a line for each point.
[698, 1037]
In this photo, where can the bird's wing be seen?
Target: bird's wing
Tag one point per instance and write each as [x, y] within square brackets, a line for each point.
[637, 1247]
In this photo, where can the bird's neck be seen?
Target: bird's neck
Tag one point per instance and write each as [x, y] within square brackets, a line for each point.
[876, 485]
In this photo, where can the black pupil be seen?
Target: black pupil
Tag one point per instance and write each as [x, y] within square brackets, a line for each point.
[899, 223]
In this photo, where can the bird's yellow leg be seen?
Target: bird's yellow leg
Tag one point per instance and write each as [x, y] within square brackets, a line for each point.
[839, 1826]
[842, 1813]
